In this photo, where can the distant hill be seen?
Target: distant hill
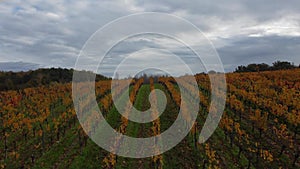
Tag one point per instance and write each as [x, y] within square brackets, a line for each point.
[20, 80]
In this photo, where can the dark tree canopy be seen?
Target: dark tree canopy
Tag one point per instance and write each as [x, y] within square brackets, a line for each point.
[21, 80]
[278, 65]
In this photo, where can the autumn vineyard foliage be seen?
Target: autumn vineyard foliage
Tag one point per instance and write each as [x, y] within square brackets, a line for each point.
[259, 127]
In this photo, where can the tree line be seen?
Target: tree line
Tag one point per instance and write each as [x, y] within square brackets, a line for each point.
[20, 80]
[278, 65]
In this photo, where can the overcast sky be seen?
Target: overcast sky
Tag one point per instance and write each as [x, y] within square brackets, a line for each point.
[51, 33]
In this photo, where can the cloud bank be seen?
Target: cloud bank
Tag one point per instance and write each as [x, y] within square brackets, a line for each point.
[52, 33]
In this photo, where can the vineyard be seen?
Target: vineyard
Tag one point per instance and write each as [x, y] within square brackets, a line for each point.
[260, 126]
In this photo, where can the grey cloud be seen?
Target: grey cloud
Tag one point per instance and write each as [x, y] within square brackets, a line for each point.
[18, 66]
[52, 33]
[260, 49]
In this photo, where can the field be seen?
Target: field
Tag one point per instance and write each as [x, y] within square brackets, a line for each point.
[259, 127]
